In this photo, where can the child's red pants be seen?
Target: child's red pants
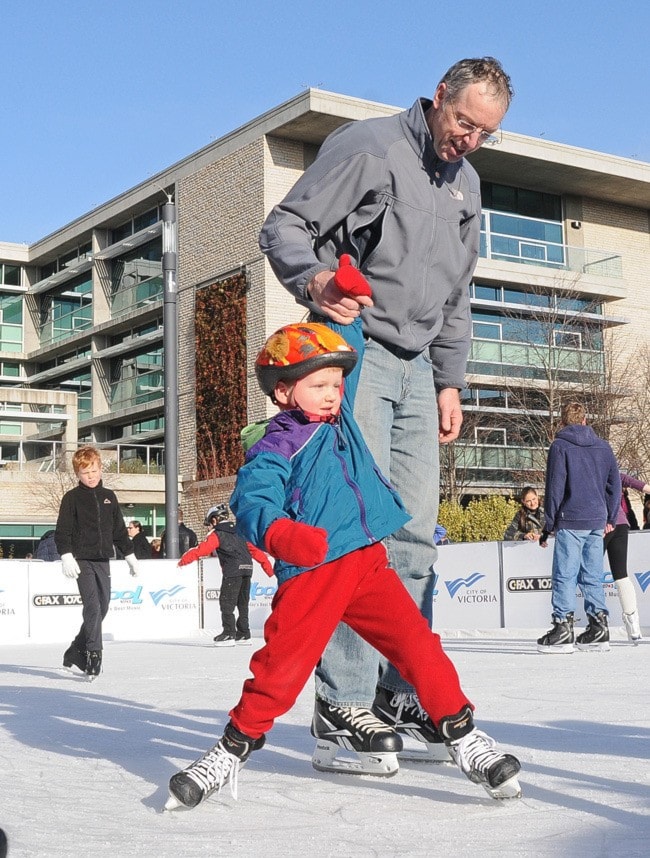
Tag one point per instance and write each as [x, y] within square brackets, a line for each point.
[361, 590]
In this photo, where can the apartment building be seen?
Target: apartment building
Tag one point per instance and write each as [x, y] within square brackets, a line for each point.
[564, 259]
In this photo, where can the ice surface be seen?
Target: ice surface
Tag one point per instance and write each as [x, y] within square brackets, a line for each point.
[84, 766]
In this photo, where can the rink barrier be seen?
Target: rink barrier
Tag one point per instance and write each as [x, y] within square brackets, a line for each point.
[477, 586]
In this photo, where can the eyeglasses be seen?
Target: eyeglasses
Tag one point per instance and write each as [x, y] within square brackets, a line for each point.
[489, 137]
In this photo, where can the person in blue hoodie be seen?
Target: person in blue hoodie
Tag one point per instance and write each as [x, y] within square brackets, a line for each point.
[311, 495]
[582, 499]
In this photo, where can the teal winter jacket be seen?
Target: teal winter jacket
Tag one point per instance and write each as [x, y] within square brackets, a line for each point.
[321, 474]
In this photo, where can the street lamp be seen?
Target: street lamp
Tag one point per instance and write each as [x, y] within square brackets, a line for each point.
[170, 368]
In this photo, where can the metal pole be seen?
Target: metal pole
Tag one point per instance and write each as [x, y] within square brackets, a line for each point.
[170, 367]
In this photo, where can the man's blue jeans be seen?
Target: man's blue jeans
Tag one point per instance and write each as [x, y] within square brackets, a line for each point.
[577, 560]
[397, 410]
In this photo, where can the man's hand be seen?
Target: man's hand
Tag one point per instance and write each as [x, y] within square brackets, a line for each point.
[332, 302]
[543, 539]
[450, 416]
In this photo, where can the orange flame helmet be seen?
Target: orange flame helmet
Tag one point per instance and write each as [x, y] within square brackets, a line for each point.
[296, 350]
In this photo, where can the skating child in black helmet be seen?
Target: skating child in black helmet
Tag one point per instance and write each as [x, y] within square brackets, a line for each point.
[236, 558]
[311, 495]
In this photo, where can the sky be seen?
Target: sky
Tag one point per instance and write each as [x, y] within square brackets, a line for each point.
[84, 766]
[97, 97]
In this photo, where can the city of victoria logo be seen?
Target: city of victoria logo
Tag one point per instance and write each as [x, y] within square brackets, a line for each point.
[454, 586]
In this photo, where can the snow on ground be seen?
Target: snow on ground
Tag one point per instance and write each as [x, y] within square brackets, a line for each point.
[84, 766]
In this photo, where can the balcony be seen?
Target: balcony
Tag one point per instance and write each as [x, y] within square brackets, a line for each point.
[142, 294]
[66, 325]
[139, 390]
[530, 241]
[48, 456]
[528, 360]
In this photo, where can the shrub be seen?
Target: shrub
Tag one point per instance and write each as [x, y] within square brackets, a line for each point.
[484, 519]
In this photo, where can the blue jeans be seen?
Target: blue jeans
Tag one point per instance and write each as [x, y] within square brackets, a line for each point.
[578, 560]
[397, 410]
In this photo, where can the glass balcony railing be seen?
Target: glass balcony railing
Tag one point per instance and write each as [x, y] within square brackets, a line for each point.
[138, 390]
[135, 297]
[66, 325]
[529, 241]
[501, 458]
[526, 360]
[47, 456]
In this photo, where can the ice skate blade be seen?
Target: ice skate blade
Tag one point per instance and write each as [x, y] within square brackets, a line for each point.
[593, 647]
[508, 789]
[173, 803]
[557, 649]
[72, 670]
[377, 765]
[434, 752]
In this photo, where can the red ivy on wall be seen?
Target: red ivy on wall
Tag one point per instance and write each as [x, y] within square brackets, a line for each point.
[220, 333]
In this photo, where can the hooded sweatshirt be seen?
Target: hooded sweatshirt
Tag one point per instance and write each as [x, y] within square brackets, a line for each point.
[583, 485]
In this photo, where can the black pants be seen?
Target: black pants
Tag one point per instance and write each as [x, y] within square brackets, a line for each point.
[615, 544]
[94, 585]
[235, 593]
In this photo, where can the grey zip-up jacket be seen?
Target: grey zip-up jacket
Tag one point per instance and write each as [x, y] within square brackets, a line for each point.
[410, 221]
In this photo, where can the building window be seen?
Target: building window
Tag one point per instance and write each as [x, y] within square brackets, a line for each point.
[135, 224]
[137, 278]
[567, 339]
[490, 436]
[67, 312]
[9, 274]
[11, 323]
[66, 260]
[137, 379]
[486, 330]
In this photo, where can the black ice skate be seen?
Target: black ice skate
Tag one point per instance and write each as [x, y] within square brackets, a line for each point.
[476, 756]
[243, 639]
[93, 664]
[633, 627]
[403, 712]
[559, 639]
[355, 729]
[595, 638]
[224, 639]
[74, 657]
[218, 766]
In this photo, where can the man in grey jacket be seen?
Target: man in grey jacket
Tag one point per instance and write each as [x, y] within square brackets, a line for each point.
[398, 196]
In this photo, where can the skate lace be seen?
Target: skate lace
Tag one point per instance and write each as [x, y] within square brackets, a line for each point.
[403, 701]
[216, 768]
[364, 720]
[475, 752]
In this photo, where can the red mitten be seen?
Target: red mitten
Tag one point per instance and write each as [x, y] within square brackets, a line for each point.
[350, 280]
[296, 543]
[205, 549]
[261, 558]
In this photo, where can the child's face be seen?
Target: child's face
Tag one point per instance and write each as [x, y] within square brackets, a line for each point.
[318, 393]
[90, 475]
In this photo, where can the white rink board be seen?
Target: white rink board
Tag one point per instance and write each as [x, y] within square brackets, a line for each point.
[478, 586]
[467, 591]
[14, 600]
[161, 602]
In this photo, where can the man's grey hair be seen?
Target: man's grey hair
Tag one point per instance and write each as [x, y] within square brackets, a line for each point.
[466, 72]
